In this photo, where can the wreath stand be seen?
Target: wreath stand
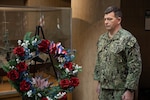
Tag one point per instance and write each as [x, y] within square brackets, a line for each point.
[37, 33]
[39, 30]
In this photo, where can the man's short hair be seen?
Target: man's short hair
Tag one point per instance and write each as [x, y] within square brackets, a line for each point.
[114, 9]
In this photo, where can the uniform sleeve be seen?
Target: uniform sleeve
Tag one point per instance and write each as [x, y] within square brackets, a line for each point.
[134, 64]
[96, 75]
[96, 70]
[99, 45]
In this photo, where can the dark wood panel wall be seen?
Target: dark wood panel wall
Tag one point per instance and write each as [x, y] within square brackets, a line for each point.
[134, 21]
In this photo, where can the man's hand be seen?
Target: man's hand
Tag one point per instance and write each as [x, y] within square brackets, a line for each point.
[98, 88]
[128, 95]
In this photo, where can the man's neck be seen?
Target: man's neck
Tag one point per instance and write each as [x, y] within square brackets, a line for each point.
[111, 33]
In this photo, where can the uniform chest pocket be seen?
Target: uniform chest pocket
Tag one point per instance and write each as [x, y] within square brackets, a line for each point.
[117, 53]
[116, 48]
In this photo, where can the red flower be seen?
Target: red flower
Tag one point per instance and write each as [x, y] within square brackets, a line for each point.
[52, 48]
[44, 98]
[21, 66]
[43, 46]
[13, 75]
[19, 51]
[68, 65]
[24, 86]
[74, 81]
[65, 83]
[64, 97]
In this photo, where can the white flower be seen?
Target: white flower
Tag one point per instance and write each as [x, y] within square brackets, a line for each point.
[60, 95]
[17, 60]
[25, 44]
[61, 59]
[75, 71]
[77, 67]
[26, 74]
[19, 42]
[39, 94]
[49, 98]
[34, 41]
[11, 67]
[29, 93]
[67, 70]
[60, 66]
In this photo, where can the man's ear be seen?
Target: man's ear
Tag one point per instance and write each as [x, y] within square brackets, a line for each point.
[119, 20]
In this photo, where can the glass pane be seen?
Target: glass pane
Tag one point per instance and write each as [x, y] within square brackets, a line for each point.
[15, 22]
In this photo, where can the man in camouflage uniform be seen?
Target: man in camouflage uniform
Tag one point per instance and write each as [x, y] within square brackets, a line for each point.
[118, 66]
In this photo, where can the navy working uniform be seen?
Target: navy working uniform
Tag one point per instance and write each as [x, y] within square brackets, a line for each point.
[118, 66]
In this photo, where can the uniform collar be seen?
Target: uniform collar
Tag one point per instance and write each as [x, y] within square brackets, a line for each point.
[115, 37]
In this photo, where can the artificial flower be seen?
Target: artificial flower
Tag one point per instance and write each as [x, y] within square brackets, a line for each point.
[68, 65]
[34, 42]
[61, 59]
[25, 44]
[74, 81]
[19, 42]
[48, 98]
[11, 67]
[19, 51]
[59, 48]
[39, 94]
[67, 70]
[65, 83]
[22, 66]
[61, 96]
[18, 60]
[24, 85]
[75, 71]
[44, 98]
[77, 67]
[40, 83]
[29, 93]
[64, 97]
[13, 75]
[52, 48]
[43, 46]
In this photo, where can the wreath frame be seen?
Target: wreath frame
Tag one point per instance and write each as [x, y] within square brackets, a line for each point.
[38, 88]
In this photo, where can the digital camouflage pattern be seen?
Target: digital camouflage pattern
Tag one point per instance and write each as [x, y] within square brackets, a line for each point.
[118, 64]
[107, 94]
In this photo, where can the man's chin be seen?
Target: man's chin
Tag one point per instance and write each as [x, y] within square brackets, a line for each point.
[108, 28]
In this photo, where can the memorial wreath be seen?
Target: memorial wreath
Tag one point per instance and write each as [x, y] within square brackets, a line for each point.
[37, 87]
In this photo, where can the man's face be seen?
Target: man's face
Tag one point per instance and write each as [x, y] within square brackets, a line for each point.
[111, 22]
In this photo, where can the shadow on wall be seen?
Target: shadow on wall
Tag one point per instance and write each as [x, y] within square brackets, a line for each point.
[85, 37]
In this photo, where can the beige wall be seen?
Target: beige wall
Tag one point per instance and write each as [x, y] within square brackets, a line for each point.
[87, 25]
